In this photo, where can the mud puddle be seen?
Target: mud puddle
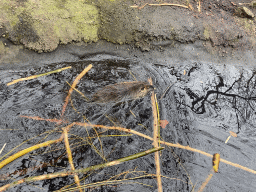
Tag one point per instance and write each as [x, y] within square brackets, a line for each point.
[202, 103]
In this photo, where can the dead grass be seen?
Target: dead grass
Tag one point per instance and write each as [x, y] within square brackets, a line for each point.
[114, 180]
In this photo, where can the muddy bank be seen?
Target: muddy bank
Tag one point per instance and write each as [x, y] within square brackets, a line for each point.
[42, 27]
[202, 106]
[209, 55]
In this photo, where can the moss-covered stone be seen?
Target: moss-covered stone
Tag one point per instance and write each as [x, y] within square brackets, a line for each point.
[247, 24]
[118, 20]
[207, 33]
[42, 25]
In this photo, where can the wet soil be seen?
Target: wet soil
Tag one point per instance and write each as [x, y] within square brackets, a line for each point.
[208, 58]
[205, 102]
[216, 26]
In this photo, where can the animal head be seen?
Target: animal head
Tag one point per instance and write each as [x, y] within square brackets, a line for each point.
[143, 89]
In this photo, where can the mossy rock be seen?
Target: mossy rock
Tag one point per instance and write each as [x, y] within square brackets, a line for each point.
[42, 25]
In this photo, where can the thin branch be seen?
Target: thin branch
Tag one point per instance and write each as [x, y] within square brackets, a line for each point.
[70, 159]
[163, 142]
[76, 81]
[25, 151]
[163, 4]
[85, 170]
[169, 4]
[156, 138]
[36, 76]
[2, 148]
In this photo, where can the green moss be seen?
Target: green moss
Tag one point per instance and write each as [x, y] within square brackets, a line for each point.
[69, 19]
[2, 48]
[207, 32]
[8, 12]
[41, 25]
[247, 24]
[118, 21]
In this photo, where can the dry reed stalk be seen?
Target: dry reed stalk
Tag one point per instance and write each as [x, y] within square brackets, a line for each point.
[163, 142]
[199, 6]
[36, 76]
[208, 155]
[162, 4]
[25, 151]
[70, 159]
[155, 138]
[42, 119]
[76, 81]
[169, 4]
[2, 148]
[85, 170]
[206, 181]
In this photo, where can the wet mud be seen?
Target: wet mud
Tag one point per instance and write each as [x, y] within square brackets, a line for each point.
[203, 68]
[201, 101]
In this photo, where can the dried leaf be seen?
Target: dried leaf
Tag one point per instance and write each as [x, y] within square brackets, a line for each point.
[216, 162]
[163, 123]
[233, 134]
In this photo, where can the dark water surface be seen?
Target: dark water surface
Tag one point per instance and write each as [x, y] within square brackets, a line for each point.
[204, 103]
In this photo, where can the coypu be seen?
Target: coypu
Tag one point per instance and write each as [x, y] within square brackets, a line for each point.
[120, 92]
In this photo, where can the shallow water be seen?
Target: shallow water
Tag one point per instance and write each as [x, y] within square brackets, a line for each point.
[204, 103]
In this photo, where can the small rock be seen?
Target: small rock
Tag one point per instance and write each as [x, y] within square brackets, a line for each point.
[244, 12]
[248, 12]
